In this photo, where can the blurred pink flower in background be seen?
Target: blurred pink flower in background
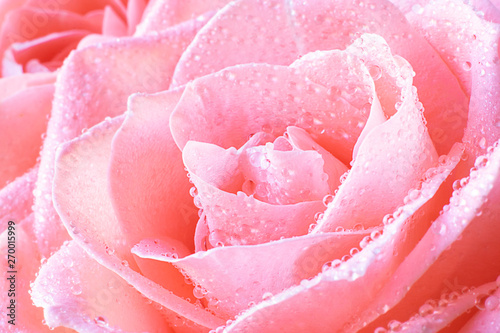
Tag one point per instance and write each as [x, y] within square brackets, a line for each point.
[251, 165]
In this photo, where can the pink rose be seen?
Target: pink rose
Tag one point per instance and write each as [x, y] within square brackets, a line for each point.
[252, 166]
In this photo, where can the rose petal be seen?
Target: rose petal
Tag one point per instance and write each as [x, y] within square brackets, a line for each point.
[321, 25]
[343, 73]
[242, 32]
[488, 320]
[71, 167]
[161, 14]
[483, 127]
[436, 318]
[464, 30]
[30, 23]
[211, 110]
[236, 219]
[48, 47]
[357, 86]
[27, 318]
[80, 7]
[392, 157]
[77, 292]
[16, 198]
[11, 85]
[135, 9]
[232, 277]
[364, 274]
[332, 166]
[448, 251]
[490, 9]
[112, 24]
[21, 129]
[7, 6]
[469, 45]
[81, 101]
[283, 177]
[82, 201]
[158, 160]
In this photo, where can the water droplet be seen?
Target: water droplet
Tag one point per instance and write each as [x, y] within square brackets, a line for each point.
[101, 321]
[375, 72]
[248, 187]
[267, 296]
[265, 163]
[125, 263]
[492, 303]
[453, 296]
[197, 202]
[328, 199]
[394, 325]
[481, 301]
[199, 292]
[326, 266]
[358, 227]
[482, 143]
[467, 66]
[110, 251]
[481, 162]
[442, 229]
[364, 242]
[375, 234]
[388, 219]
[426, 310]
[193, 191]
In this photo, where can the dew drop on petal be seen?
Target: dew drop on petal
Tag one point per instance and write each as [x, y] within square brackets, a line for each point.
[101, 321]
[328, 199]
[394, 325]
[425, 310]
[110, 251]
[199, 292]
[267, 296]
[481, 301]
[388, 219]
[482, 143]
[375, 234]
[380, 330]
[491, 303]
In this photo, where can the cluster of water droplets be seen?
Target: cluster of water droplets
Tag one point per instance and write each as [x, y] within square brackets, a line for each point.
[432, 310]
